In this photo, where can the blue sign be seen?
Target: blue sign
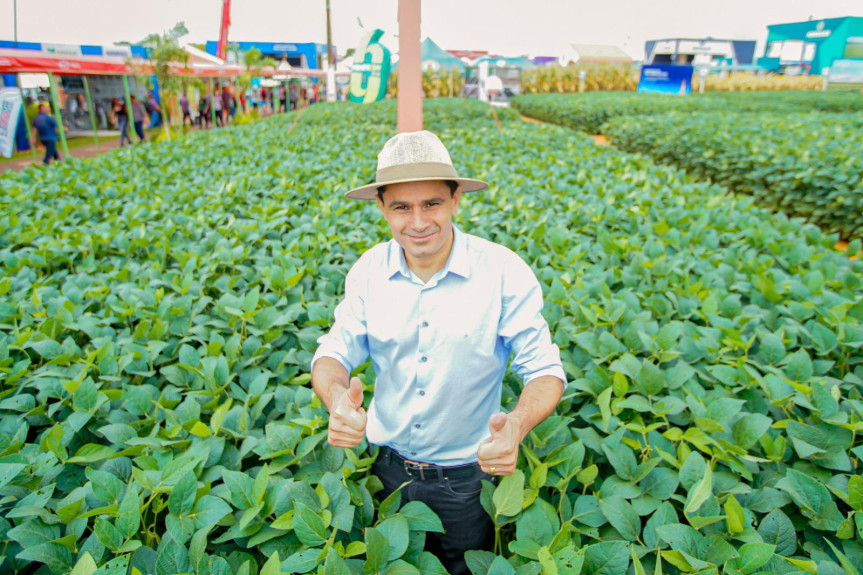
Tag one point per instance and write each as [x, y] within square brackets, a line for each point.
[665, 80]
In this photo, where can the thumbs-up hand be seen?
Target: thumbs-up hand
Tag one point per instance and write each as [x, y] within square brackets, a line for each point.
[498, 453]
[347, 417]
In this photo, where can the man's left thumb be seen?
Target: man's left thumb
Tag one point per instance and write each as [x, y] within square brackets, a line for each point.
[496, 422]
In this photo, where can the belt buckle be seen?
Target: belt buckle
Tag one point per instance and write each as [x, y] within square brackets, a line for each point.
[415, 466]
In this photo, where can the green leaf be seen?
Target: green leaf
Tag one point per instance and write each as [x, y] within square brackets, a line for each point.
[91, 453]
[420, 517]
[272, 566]
[753, 556]
[812, 498]
[308, 526]
[549, 567]
[622, 517]
[622, 459]
[735, 519]
[700, 493]
[855, 492]
[108, 534]
[334, 564]
[181, 501]
[508, 495]
[799, 366]
[84, 566]
[850, 569]
[396, 531]
[664, 515]
[129, 514]
[428, 564]
[377, 550]
[241, 487]
[776, 529]
[606, 558]
[749, 429]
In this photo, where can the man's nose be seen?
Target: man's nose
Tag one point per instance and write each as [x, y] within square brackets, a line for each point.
[418, 221]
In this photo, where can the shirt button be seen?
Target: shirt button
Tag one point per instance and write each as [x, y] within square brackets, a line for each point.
[417, 426]
[425, 324]
[424, 359]
[422, 393]
[413, 452]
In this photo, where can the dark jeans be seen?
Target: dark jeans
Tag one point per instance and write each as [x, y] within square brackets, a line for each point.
[51, 152]
[455, 500]
[139, 129]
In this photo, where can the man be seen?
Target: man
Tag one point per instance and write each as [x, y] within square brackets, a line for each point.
[138, 113]
[439, 312]
[292, 95]
[184, 107]
[154, 110]
[46, 127]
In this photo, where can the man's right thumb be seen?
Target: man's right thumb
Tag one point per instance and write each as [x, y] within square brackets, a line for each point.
[355, 392]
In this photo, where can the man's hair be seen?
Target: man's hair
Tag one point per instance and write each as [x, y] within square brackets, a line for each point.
[453, 186]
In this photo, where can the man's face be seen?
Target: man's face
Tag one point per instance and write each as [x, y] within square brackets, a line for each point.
[420, 217]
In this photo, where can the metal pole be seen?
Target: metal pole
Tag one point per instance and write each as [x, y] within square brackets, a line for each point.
[130, 124]
[212, 103]
[26, 117]
[56, 102]
[15, 18]
[92, 112]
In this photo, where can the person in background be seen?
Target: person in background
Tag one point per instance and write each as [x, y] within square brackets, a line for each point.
[138, 116]
[184, 107]
[316, 94]
[154, 110]
[226, 105]
[292, 96]
[204, 111]
[217, 106]
[119, 110]
[46, 128]
[283, 99]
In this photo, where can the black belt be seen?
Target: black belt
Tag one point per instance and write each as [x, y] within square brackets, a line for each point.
[426, 471]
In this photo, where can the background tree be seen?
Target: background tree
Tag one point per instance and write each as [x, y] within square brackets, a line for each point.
[164, 49]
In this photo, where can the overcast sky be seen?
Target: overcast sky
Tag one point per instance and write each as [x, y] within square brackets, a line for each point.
[508, 27]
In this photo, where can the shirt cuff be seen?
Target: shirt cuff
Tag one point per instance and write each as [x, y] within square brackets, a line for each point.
[554, 371]
[332, 355]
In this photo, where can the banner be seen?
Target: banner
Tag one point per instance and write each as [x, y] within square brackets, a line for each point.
[10, 114]
[371, 70]
[222, 50]
[657, 79]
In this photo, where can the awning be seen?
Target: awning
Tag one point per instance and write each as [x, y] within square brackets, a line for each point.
[17, 61]
[34, 62]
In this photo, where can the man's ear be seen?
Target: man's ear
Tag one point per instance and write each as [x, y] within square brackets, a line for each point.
[456, 198]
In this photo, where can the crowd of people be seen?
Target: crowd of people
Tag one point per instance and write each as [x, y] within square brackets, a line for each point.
[148, 114]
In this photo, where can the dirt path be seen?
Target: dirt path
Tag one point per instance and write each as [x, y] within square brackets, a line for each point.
[80, 152]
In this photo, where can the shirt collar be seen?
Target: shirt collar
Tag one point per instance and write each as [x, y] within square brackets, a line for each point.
[458, 261]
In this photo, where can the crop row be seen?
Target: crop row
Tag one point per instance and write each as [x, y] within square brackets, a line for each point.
[159, 307]
[805, 165]
[588, 112]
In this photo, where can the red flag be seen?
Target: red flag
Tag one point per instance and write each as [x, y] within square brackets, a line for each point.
[222, 50]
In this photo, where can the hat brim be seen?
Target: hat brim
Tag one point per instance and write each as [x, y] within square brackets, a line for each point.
[370, 191]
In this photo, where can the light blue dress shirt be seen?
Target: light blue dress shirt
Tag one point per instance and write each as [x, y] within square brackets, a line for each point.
[440, 349]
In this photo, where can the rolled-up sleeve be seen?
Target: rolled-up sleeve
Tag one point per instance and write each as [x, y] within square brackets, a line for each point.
[347, 341]
[523, 328]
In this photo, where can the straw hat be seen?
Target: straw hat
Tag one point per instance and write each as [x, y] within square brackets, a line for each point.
[413, 157]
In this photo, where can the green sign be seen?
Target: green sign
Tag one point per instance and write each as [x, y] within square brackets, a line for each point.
[371, 70]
